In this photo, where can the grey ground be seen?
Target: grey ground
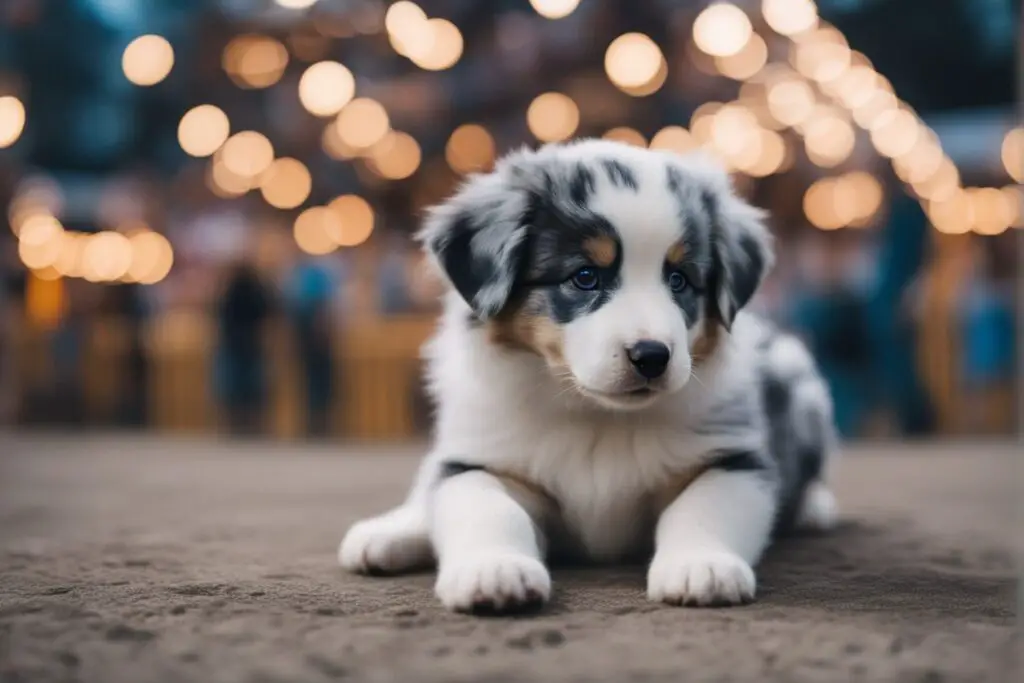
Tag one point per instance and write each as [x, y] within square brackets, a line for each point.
[125, 559]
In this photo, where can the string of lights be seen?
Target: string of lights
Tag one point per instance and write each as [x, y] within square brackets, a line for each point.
[800, 85]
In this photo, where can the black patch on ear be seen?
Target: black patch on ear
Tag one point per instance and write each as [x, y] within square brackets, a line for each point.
[739, 263]
[455, 250]
[582, 185]
[745, 280]
[470, 271]
[620, 175]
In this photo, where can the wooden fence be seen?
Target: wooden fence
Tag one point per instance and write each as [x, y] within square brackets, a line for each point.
[376, 387]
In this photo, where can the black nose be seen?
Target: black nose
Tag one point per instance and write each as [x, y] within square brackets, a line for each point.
[650, 358]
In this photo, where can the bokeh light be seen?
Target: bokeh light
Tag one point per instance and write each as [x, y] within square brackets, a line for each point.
[734, 130]
[877, 104]
[470, 148]
[828, 141]
[701, 121]
[940, 184]
[819, 205]
[747, 62]
[633, 61]
[894, 132]
[952, 215]
[855, 87]
[863, 192]
[286, 184]
[821, 59]
[326, 87]
[790, 17]
[441, 47]
[554, 9]
[312, 230]
[254, 61]
[920, 161]
[552, 117]
[673, 139]
[295, 4]
[625, 134]
[203, 130]
[396, 156]
[40, 229]
[225, 183]
[1014, 198]
[247, 154]
[991, 214]
[353, 221]
[39, 256]
[852, 199]
[147, 60]
[790, 101]
[362, 123]
[405, 23]
[107, 257]
[152, 257]
[722, 29]
[771, 157]
[334, 146]
[12, 120]
[1012, 154]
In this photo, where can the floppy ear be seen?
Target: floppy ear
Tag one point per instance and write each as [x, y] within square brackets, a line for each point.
[742, 252]
[478, 239]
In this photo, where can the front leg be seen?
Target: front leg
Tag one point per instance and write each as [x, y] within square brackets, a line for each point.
[487, 537]
[708, 540]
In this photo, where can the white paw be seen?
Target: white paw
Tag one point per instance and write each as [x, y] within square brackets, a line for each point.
[818, 510]
[493, 582]
[700, 578]
[388, 544]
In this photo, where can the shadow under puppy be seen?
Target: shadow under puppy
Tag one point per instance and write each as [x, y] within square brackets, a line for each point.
[600, 393]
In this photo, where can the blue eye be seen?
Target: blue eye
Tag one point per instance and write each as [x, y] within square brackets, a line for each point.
[677, 281]
[586, 279]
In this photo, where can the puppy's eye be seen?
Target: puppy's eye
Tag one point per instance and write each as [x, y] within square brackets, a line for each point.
[677, 281]
[586, 279]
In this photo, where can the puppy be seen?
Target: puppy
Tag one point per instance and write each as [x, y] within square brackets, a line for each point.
[601, 395]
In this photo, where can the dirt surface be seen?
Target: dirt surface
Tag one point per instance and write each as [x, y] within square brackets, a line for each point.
[125, 559]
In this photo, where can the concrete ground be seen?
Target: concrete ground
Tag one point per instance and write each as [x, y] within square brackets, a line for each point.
[135, 560]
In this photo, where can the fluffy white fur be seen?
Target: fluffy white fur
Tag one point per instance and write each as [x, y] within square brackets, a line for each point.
[570, 463]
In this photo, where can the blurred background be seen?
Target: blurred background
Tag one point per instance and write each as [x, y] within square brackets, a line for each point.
[207, 204]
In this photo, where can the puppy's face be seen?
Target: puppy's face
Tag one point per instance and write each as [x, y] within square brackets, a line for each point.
[618, 266]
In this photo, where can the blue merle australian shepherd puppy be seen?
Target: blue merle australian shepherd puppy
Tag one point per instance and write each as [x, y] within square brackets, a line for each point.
[601, 394]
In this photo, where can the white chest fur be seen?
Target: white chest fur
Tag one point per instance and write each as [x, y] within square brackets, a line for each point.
[607, 473]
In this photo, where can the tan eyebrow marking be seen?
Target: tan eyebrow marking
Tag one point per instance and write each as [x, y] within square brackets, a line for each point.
[602, 250]
[676, 253]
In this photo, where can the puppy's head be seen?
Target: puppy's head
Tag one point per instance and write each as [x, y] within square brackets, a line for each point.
[619, 266]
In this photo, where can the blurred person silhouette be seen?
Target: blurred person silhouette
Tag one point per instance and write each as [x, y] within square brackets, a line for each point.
[829, 307]
[393, 279]
[311, 286]
[892, 329]
[987, 331]
[127, 302]
[241, 360]
[9, 337]
[68, 352]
